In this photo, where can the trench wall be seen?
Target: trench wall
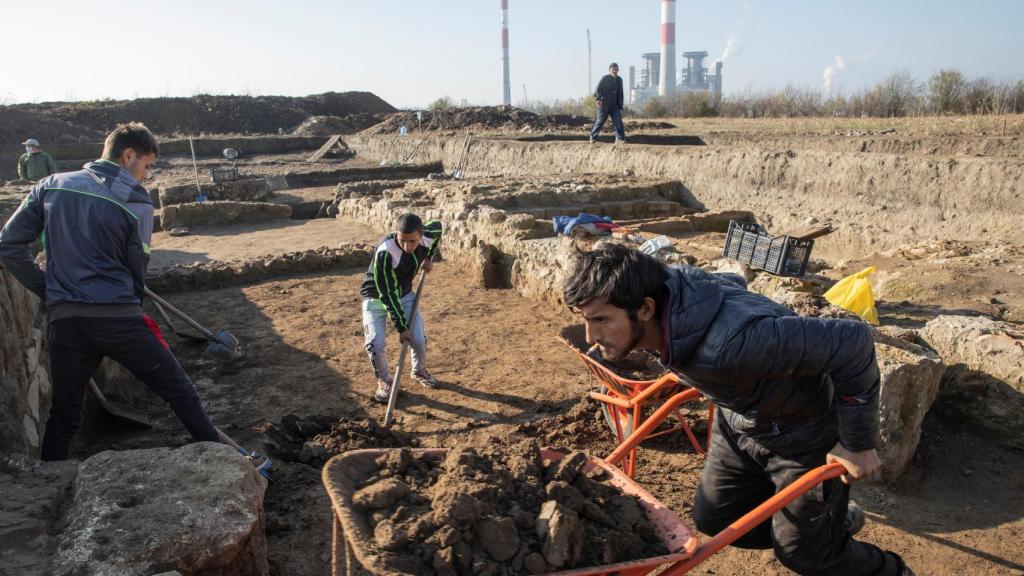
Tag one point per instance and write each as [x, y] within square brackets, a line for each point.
[876, 201]
[24, 369]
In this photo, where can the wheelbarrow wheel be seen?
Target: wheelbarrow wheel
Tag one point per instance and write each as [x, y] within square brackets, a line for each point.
[624, 417]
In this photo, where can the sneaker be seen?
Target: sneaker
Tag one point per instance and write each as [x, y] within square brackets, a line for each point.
[383, 392]
[620, 140]
[591, 139]
[425, 378]
[854, 518]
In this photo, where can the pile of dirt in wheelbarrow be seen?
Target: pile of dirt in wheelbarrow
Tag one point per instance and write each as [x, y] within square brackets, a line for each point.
[479, 118]
[315, 439]
[637, 365]
[500, 510]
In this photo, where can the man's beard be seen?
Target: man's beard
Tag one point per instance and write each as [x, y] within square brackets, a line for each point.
[636, 333]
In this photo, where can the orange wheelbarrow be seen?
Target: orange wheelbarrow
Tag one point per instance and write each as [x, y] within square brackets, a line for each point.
[343, 474]
[627, 402]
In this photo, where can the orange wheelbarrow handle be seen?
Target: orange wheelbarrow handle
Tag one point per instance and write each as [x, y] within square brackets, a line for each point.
[756, 516]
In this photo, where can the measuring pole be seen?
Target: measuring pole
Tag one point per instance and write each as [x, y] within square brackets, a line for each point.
[590, 67]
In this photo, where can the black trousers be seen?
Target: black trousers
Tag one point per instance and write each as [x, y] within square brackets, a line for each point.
[78, 345]
[808, 535]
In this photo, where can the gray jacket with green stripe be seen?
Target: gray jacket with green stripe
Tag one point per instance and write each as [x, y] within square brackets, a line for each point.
[95, 226]
[390, 275]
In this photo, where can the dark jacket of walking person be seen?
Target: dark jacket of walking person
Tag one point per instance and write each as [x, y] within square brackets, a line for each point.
[35, 164]
[609, 98]
[792, 394]
[95, 225]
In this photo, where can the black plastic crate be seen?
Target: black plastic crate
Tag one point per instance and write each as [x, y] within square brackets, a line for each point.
[751, 244]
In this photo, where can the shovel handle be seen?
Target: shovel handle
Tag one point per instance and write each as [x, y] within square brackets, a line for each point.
[209, 335]
[389, 414]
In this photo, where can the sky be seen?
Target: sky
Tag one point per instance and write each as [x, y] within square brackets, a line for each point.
[411, 52]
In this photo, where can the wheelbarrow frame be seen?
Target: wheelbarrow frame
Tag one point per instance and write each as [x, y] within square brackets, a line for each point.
[688, 553]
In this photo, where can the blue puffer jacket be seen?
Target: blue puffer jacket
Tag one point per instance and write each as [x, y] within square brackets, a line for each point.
[791, 383]
[96, 226]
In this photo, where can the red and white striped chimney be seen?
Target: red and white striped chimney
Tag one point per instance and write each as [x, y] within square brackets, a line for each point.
[506, 85]
[667, 75]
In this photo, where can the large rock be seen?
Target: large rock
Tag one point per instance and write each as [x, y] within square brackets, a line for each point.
[24, 369]
[197, 509]
[34, 493]
[985, 382]
[910, 382]
[222, 212]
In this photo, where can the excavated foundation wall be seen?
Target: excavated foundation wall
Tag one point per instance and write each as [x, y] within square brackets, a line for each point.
[876, 201]
[24, 369]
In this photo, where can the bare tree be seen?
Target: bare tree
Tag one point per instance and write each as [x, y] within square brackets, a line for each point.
[896, 94]
[946, 92]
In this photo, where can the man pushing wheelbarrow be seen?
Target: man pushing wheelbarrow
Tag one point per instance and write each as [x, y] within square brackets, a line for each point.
[792, 394]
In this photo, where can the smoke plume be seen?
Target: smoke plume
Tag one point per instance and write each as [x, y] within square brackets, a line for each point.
[837, 66]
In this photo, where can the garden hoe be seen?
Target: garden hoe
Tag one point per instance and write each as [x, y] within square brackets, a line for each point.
[389, 414]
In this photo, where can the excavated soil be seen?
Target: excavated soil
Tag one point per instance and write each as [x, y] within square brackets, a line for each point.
[208, 114]
[499, 510]
[479, 118]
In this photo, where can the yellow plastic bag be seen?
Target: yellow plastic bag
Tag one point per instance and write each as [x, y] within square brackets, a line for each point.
[853, 293]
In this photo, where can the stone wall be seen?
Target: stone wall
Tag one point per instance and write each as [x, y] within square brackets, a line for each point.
[248, 190]
[221, 212]
[24, 369]
[210, 275]
[887, 199]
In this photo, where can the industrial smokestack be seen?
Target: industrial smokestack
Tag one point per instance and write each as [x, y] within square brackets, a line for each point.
[667, 78]
[506, 86]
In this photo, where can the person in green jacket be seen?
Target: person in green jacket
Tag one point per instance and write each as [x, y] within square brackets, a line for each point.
[35, 164]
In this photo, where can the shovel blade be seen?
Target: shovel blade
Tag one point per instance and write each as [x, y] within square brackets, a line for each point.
[128, 413]
[225, 345]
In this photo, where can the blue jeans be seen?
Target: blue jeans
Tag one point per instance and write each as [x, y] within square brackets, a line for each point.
[602, 116]
[375, 320]
[78, 345]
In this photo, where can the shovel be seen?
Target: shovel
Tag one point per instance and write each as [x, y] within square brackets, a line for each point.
[120, 410]
[389, 414]
[222, 344]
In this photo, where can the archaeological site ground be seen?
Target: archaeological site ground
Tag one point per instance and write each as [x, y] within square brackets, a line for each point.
[276, 252]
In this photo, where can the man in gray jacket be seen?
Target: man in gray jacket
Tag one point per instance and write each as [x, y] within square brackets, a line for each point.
[95, 225]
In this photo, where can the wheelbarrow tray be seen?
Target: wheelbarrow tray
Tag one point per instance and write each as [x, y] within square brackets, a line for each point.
[344, 474]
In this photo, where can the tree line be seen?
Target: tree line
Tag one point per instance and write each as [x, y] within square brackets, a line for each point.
[947, 91]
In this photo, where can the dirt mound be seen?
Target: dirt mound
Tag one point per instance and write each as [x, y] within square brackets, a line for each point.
[316, 438]
[649, 125]
[500, 510]
[479, 118]
[581, 427]
[331, 125]
[213, 114]
[17, 125]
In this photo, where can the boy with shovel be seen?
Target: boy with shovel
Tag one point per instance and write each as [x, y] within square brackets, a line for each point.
[387, 292]
[95, 225]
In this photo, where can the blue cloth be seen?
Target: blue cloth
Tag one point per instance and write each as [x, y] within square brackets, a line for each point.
[791, 383]
[602, 116]
[565, 224]
[96, 226]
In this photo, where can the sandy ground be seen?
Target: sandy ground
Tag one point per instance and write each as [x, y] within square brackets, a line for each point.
[241, 241]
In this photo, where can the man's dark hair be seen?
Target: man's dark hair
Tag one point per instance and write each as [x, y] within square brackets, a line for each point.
[133, 135]
[623, 275]
[408, 223]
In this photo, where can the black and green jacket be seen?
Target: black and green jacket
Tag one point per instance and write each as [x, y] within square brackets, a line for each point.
[391, 271]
